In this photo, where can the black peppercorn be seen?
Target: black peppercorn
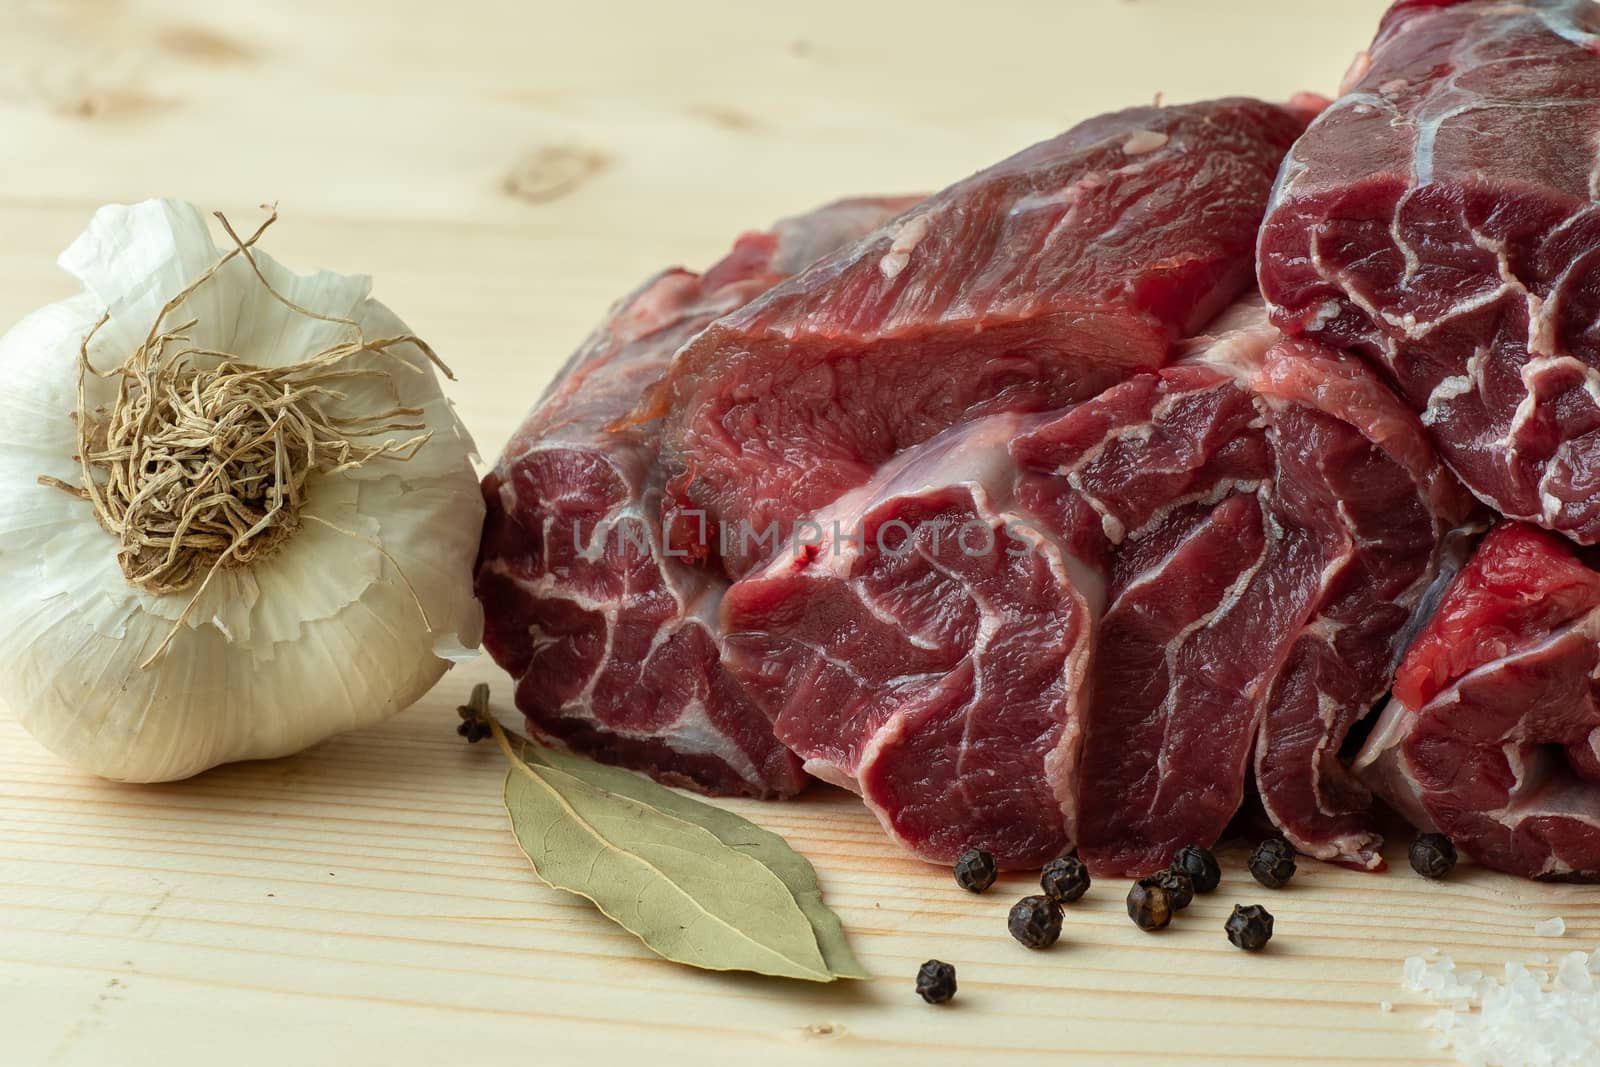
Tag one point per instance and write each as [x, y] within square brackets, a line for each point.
[1149, 906]
[975, 870]
[936, 981]
[1272, 863]
[1179, 887]
[1250, 928]
[1433, 856]
[1035, 921]
[1200, 865]
[1064, 880]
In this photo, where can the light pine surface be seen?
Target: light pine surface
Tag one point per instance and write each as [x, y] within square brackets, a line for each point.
[505, 170]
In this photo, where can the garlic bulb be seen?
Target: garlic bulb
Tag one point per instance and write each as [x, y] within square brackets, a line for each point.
[264, 533]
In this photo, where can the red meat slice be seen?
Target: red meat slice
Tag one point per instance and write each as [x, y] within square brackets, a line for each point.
[1035, 283]
[940, 683]
[612, 641]
[1441, 219]
[1280, 528]
[1493, 737]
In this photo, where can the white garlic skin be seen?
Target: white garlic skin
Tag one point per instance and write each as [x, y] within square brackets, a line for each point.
[321, 637]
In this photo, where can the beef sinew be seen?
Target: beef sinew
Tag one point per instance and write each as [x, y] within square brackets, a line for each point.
[1493, 735]
[1035, 283]
[1441, 218]
[611, 639]
[1035, 631]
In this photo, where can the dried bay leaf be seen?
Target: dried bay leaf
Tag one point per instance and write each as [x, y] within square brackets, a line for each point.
[674, 883]
[769, 848]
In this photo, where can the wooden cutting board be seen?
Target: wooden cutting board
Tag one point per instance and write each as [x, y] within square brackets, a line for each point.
[505, 170]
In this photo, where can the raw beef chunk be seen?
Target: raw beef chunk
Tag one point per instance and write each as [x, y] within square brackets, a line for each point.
[1391, 524]
[1037, 282]
[1441, 219]
[1275, 519]
[917, 656]
[1043, 630]
[612, 641]
[1493, 735]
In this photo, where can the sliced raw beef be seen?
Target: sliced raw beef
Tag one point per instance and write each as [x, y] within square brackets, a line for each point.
[611, 640]
[1036, 631]
[1037, 282]
[1387, 518]
[1274, 519]
[1441, 219]
[1493, 736]
[935, 662]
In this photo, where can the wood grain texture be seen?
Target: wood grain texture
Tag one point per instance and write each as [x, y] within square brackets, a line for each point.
[506, 170]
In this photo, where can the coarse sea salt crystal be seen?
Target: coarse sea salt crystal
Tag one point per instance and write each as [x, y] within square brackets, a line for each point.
[1526, 1018]
[1415, 968]
[1573, 973]
[1552, 927]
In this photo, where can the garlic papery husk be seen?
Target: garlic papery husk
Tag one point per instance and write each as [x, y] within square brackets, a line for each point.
[361, 601]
